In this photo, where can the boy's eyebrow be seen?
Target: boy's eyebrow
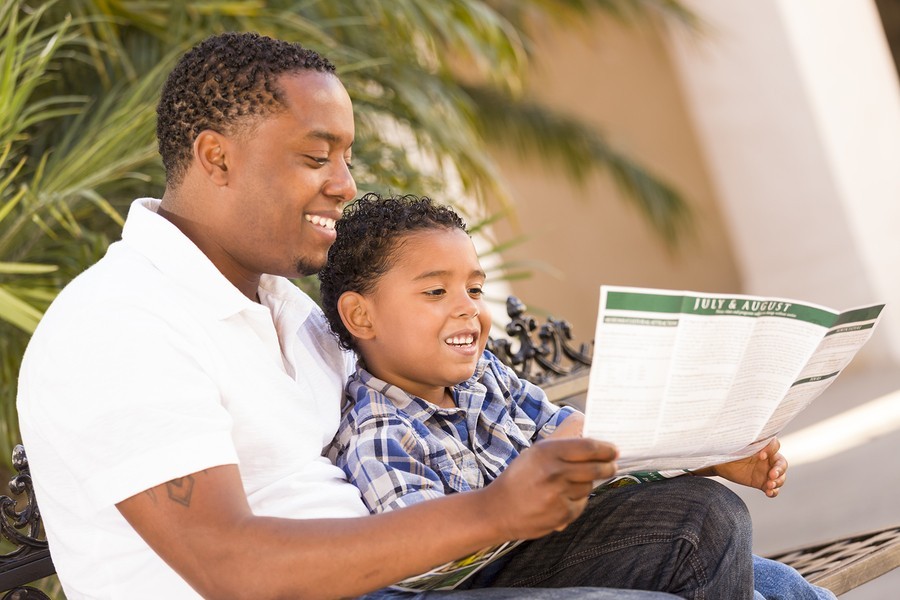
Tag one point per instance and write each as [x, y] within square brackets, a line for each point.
[430, 274]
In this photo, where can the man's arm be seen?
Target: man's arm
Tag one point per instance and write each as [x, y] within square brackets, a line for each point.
[202, 526]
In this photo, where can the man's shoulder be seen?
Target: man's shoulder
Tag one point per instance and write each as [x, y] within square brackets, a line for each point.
[120, 281]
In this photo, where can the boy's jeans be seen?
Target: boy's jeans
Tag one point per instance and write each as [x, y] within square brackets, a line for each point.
[776, 581]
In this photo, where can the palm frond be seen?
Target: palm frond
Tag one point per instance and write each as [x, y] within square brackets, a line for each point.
[431, 82]
[533, 128]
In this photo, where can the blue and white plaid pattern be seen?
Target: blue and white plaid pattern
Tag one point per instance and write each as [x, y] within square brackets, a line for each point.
[399, 449]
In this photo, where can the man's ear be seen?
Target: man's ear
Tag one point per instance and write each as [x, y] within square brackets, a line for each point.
[209, 152]
[354, 311]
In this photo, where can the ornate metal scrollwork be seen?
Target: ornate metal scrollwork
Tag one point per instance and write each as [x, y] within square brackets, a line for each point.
[20, 524]
[25, 593]
[28, 518]
[540, 362]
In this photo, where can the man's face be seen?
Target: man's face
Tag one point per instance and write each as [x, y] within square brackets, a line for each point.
[430, 321]
[288, 178]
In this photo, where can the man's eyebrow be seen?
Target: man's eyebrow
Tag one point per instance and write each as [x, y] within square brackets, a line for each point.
[326, 136]
[431, 274]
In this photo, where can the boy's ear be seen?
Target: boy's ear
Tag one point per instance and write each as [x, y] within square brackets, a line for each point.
[354, 311]
[209, 152]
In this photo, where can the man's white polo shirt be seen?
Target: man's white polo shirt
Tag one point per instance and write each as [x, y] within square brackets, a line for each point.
[150, 366]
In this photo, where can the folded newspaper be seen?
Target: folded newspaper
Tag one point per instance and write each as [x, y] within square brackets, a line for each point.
[684, 380]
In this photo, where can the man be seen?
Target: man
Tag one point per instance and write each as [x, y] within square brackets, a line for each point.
[175, 399]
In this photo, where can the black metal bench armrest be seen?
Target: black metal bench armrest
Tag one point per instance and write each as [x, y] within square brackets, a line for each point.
[20, 524]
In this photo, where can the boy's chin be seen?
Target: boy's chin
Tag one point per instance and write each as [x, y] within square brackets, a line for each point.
[462, 375]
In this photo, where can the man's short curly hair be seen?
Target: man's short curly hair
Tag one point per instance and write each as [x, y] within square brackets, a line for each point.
[224, 84]
[368, 237]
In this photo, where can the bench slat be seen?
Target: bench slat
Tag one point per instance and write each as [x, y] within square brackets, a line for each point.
[841, 565]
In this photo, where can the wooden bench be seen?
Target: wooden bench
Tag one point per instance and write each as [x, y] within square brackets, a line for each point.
[546, 355]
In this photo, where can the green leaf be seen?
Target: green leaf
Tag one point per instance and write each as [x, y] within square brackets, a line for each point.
[18, 313]
[26, 268]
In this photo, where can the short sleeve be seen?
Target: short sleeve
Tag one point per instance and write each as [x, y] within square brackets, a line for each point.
[123, 400]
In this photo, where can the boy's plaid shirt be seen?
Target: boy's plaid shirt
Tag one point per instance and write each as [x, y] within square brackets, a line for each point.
[399, 449]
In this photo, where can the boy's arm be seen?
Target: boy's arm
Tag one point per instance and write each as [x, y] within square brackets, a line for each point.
[387, 460]
[202, 526]
[532, 400]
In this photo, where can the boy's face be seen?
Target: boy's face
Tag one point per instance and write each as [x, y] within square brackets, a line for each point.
[429, 321]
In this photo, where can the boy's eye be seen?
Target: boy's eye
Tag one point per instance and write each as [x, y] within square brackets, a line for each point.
[476, 291]
[319, 160]
[435, 293]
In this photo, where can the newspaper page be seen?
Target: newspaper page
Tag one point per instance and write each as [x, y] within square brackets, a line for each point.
[684, 380]
[451, 574]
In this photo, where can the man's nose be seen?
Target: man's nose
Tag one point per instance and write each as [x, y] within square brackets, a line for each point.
[342, 187]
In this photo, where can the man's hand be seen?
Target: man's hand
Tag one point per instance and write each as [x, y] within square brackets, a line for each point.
[765, 470]
[547, 486]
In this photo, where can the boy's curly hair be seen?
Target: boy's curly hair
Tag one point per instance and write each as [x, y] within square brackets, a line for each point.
[221, 84]
[368, 236]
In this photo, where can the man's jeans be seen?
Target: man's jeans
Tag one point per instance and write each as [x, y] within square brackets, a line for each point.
[688, 536]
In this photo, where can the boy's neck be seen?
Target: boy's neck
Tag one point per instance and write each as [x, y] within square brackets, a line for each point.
[447, 400]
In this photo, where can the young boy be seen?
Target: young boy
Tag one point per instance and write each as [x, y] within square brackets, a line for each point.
[429, 411]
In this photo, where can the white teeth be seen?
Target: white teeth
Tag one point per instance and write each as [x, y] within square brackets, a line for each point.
[321, 221]
[461, 340]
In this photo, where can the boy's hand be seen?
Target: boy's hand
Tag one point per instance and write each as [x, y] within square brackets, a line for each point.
[571, 427]
[766, 470]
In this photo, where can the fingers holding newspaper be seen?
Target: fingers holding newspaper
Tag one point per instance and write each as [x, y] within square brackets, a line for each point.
[546, 487]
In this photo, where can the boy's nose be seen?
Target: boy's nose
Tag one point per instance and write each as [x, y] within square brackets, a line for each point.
[468, 308]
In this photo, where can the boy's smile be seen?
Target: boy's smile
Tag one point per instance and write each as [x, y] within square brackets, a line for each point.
[429, 323]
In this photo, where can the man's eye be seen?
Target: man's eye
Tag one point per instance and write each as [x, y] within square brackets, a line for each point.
[321, 161]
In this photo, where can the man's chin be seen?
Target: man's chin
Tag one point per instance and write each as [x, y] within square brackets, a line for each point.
[304, 267]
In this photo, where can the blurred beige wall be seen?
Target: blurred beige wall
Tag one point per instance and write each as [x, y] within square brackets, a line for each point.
[619, 79]
[801, 136]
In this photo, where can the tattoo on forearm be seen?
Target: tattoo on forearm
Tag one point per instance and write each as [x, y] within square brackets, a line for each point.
[180, 489]
[152, 493]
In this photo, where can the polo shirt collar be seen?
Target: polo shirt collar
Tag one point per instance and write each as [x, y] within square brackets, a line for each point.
[176, 256]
